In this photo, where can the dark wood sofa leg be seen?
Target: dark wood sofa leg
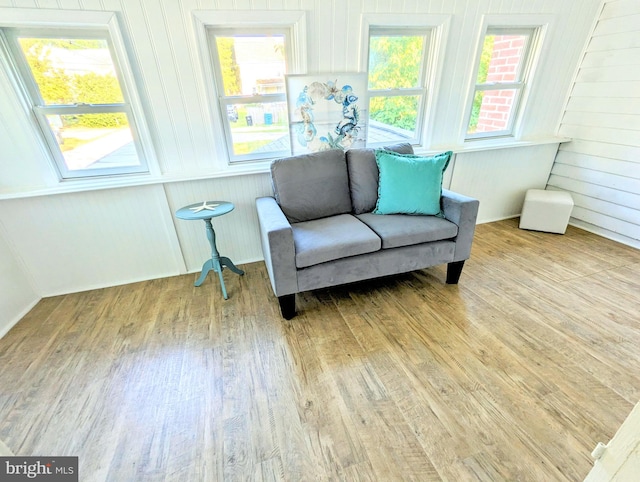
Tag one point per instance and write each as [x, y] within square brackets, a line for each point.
[454, 270]
[287, 306]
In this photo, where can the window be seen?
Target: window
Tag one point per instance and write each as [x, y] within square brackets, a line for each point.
[249, 70]
[501, 78]
[245, 56]
[397, 84]
[71, 80]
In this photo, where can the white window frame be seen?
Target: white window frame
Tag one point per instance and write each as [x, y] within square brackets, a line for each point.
[536, 26]
[435, 29]
[84, 24]
[227, 100]
[420, 90]
[292, 23]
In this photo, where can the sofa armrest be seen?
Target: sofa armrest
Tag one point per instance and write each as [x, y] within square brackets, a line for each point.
[278, 248]
[463, 211]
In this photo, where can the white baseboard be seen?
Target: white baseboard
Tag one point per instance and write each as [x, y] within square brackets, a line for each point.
[494, 220]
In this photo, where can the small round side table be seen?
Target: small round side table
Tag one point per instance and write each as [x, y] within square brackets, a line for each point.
[206, 211]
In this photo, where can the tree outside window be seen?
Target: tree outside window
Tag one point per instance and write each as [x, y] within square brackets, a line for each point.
[78, 101]
[396, 84]
[251, 67]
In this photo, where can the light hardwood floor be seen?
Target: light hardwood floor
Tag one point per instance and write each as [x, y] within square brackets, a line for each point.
[514, 374]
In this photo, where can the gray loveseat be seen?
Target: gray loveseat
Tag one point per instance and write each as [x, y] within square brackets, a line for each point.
[318, 230]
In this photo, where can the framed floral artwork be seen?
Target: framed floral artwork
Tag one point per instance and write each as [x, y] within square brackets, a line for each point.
[327, 111]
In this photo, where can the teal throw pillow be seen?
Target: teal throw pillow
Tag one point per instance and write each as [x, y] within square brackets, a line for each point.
[410, 184]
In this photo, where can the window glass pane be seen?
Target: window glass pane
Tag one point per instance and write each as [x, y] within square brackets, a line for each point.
[492, 110]
[501, 59]
[259, 128]
[94, 141]
[392, 118]
[395, 61]
[69, 71]
[252, 65]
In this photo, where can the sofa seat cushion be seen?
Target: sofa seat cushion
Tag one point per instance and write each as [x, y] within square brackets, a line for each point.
[397, 230]
[331, 238]
[312, 186]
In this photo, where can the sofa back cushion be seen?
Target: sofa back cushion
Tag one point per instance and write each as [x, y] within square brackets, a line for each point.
[312, 186]
[363, 176]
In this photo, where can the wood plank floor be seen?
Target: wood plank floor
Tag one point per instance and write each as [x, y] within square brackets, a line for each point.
[514, 374]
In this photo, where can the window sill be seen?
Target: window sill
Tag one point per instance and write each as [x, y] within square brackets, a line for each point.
[97, 184]
[491, 144]
[245, 169]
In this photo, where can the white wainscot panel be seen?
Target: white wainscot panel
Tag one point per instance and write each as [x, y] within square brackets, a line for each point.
[237, 233]
[80, 241]
[500, 178]
[17, 295]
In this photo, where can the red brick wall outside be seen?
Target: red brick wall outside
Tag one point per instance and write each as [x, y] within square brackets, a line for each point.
[497, 104]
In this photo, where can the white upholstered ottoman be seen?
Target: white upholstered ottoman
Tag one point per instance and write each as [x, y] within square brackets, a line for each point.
[546, 211]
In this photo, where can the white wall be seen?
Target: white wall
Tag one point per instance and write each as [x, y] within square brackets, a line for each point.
[501, 178]
[81, 240]
[17, 295]
[601, 167]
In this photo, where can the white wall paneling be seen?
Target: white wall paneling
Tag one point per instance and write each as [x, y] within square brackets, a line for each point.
[85, 239]
[79, 241]
[237, 235]
[17, 294]
[601, 166]
[500, 178]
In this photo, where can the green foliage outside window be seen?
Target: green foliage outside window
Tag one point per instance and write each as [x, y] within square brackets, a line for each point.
[395, 111]
[483, 71]
[58, 87]
[54, 84]
[228, 66]
[395, 63]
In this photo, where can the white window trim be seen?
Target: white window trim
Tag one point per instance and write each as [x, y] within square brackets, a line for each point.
[225, 100]
[438, 26]
[20, 18]
[420, 90]
[540, 24]
[293, 20]
[519, 86]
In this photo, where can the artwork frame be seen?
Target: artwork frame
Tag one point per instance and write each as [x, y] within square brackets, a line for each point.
[327, 111]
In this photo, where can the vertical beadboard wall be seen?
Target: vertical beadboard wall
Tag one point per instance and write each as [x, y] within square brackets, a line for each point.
[17, 292]
[237, 234]
[601, 167]
[79, 241]
[510, 171]
[83, 240]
